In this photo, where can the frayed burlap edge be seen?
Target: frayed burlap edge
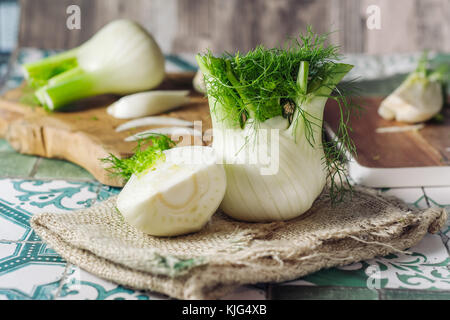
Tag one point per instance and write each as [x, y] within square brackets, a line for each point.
[280, 263]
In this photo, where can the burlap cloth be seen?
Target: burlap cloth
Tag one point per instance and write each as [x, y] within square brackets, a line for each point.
[227, 253]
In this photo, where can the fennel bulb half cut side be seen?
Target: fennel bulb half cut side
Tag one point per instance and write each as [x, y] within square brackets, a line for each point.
[267, 111]
[121, 58]
[419, 98]
[177, 195]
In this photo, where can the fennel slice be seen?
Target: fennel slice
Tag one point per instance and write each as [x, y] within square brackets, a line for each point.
[172, 131]
[148, 103]
[154, 121]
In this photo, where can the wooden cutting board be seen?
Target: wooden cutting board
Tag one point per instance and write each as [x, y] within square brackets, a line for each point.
[88, 134]
[413, 158]
[396, 159]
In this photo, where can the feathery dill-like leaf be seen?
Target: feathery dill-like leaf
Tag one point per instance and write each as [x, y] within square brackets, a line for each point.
[265, 83]
[142, 159]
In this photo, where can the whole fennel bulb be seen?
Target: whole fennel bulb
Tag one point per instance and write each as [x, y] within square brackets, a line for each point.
[121, 58]
[280, 93]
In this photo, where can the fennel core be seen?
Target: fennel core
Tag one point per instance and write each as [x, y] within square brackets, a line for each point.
[254, 90]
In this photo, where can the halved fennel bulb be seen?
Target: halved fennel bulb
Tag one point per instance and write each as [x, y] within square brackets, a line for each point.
[176, 196]
[417, 99]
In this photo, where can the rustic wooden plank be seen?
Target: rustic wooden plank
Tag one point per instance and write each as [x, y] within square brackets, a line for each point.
[348, 25]
[190, 26]
[423, 148]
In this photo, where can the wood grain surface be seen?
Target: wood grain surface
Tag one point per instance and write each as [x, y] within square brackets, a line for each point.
[86, 135]
[426, 147]
[190, 26]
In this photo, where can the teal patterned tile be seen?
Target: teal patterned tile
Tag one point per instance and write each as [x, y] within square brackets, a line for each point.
[32, 281]
[425, 267]
[438, 196]
[28, 268]
[278, 292]
[48, 195]
[60, 169]
[414, 197]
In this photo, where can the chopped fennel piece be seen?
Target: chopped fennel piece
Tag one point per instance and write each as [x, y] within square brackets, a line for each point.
[173, 131]
[154, 121]
[419, 98]
[148, 103]
[400, 128]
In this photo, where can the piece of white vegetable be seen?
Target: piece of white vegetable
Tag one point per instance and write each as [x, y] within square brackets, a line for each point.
[176, 196]
[148, 103]
[173, 132]
[199, 82]
[154, 121]
[419, 98]
[395, 129]
[121, 58]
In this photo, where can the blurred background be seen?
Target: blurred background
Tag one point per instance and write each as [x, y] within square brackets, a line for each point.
[185, 27]
[191, 25]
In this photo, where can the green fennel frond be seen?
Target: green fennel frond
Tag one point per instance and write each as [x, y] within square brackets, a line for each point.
[265, 83]
[148, 151]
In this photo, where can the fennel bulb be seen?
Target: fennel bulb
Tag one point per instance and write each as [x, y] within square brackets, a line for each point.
[177, 195]
[419, 97]
[148, 103]
[281, 93]
[121, 58]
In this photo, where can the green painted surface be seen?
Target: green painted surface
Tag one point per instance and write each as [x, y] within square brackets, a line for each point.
[279, 292]
[60, 169]
[13, 164]
[396, 294]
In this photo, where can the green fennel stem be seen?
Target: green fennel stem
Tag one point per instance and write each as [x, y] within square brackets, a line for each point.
[47, 68]
[302, 78]
[72, 85]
